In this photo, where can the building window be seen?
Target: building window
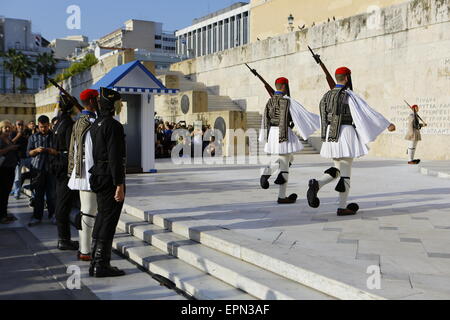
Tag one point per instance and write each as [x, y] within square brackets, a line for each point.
[157, 37]
[157, 46]
[226, 34]
[245, 26]
[209, 39]
[220, 48]
[232, 35]
[203, 41]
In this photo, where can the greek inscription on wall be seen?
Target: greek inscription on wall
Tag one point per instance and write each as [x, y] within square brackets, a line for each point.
[434, 112]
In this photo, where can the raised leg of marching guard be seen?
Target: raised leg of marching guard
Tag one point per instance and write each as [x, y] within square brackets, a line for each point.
[107, 181]
[281, 115]
[348, 124]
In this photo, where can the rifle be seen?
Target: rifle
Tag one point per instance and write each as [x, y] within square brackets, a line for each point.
[73, 99]
[424, 123]
[266, 85]
[330, 79]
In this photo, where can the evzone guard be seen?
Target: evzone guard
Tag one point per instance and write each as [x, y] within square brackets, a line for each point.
[281, 115]
[107, 181]
[64, 196]
[80, 162]
[413, 135]
[348, 124]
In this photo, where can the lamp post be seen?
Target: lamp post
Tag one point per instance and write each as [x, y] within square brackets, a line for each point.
[291, 22]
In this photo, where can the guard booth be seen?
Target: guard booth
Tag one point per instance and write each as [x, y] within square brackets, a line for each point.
[137, 85]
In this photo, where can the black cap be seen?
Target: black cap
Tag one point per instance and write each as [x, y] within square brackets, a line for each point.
[107, 99]
[65, 103]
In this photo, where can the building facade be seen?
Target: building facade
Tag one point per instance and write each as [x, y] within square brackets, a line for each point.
[69, 46]
[218, 31]
[17, 34]
[140, 34]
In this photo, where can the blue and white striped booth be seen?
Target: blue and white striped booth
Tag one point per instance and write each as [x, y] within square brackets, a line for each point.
[132, 80]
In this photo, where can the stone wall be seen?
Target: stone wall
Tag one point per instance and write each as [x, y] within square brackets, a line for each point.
[402, 52]
[17, 107]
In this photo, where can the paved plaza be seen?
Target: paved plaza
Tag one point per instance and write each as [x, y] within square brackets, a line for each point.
[33, 269]
[206, 212]
[403, 225]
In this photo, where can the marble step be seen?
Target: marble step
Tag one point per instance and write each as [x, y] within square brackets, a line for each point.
[186, 278]
[242, 275]
[301, 268]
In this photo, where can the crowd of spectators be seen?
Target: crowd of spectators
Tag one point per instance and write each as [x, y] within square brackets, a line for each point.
[168, 135]
[25, 150]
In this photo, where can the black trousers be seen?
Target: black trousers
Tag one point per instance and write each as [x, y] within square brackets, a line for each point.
[44, 185]
[108, 215]
[65, 200]
[6, 182]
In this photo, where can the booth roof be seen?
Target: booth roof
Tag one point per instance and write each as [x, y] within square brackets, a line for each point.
[118, 73]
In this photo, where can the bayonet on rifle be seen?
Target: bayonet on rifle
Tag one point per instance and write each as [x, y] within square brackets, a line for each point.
[330, 79]
[268, 87]
[424, 123]
[73, 99]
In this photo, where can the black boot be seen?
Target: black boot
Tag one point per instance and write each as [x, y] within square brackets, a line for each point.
[67, 245]
[93, 248]
[102, 257]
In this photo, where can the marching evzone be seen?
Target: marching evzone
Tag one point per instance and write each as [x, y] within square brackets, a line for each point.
[348, 124]
[413, 135]
[282, 113]
[81, 161]
[107, 181]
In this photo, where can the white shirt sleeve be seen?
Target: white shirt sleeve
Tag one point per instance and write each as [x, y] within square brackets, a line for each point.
[368, 122]
[305, 122]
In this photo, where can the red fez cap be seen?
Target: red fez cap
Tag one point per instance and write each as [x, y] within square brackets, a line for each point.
[343, 70]
[282, 81]
[414, 106]
[88, 94]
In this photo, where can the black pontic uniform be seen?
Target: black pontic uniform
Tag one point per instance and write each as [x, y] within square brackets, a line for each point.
[108, 172]
[64, 196]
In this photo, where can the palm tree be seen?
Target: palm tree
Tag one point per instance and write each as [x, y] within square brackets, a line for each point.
[45, 65]
[10, 64]
[25, 70]
[19, 65]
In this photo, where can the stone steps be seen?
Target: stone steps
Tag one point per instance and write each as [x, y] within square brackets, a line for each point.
[244, 276]
[300, 269]
[188, 279]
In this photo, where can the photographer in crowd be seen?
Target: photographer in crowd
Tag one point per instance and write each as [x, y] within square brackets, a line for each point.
[8, 161]
[41, 149]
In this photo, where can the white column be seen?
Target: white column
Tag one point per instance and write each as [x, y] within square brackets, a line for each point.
[147, 132]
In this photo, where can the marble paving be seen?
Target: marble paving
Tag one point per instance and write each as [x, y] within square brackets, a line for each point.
[403, 225]
[40, 280]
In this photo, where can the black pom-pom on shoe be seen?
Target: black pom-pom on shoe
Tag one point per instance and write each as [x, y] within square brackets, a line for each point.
[353, 206]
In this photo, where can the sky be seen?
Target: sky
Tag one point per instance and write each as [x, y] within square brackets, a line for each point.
[100, 17]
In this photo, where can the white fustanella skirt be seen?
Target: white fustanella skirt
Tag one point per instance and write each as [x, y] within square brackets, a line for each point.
[348, 145]
[273, 145]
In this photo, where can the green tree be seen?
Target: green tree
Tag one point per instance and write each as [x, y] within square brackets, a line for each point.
[19, 65]
[25, 70]
[45, 65]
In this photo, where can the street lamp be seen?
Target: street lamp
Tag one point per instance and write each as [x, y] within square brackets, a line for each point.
[291, 22]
